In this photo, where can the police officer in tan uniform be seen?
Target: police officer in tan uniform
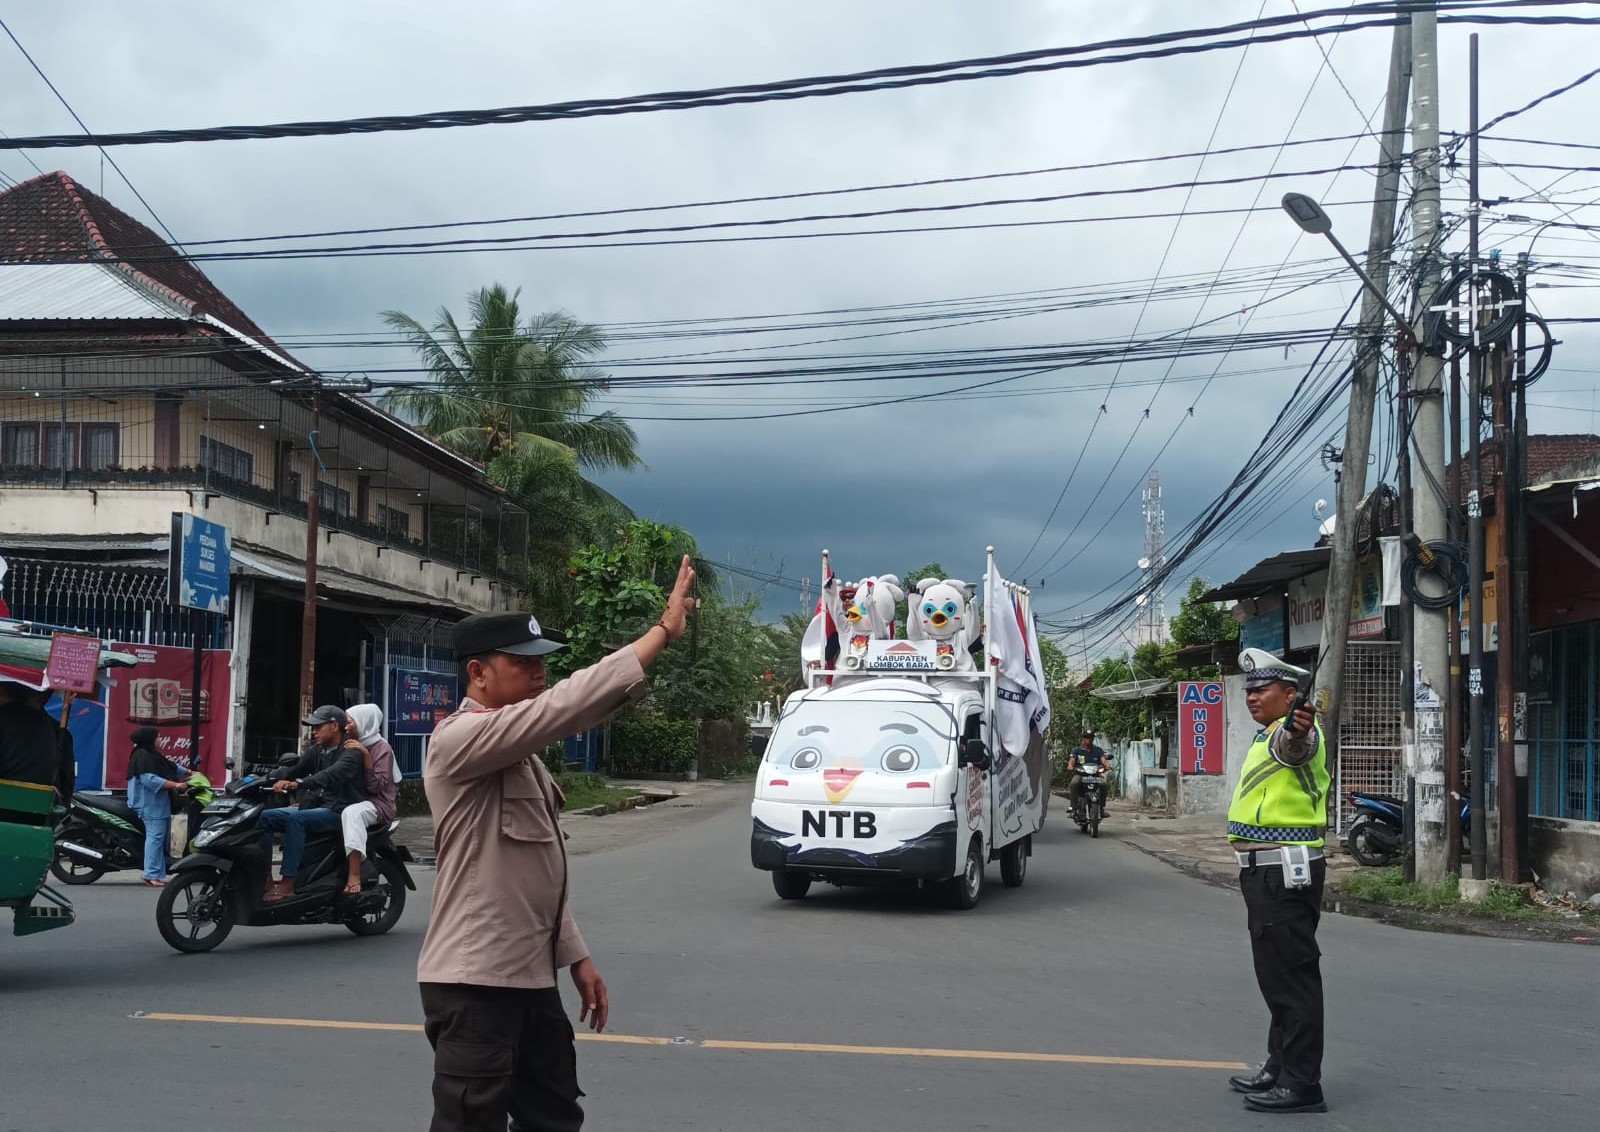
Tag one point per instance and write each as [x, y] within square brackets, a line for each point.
[501, 926]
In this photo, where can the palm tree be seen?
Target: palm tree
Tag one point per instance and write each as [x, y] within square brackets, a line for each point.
[505, 387]
[515, 397]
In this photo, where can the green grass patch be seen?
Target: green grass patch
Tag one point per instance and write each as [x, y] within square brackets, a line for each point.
[747, 767]
[585, 790]
[1388, 886]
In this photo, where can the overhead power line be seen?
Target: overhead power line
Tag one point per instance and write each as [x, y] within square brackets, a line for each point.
[61, 98]
[1164, 45]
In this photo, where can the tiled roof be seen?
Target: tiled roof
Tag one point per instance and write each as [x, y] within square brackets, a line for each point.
[53, 219]
[1547, 451]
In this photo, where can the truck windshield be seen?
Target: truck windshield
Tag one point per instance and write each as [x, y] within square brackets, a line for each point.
[889, 735]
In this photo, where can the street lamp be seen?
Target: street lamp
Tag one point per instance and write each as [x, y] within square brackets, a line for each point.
[1313, 220]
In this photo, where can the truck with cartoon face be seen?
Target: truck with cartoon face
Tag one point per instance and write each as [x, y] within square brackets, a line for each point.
[899, 763]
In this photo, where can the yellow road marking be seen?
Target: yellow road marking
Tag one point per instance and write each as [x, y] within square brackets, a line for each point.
[975, 1054]
[392, 1027]
[759, 1047]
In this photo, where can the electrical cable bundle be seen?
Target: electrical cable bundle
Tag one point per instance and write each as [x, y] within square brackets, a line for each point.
[1443, 560]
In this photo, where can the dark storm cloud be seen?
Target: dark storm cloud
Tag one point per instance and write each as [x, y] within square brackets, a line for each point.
[885, 488]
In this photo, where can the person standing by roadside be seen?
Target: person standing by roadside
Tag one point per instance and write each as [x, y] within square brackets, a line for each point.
[501, 927]
[153, 782]
[1276, 825]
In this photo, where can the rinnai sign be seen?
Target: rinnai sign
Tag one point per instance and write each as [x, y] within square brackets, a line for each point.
[1308, 604]
[1200, 730]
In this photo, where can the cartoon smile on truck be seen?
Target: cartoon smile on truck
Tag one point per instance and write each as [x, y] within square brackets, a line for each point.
[903, 771]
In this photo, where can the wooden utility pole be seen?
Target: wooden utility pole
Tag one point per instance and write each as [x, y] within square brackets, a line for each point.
[1364, 385]
[1474, 413]
[308, 616]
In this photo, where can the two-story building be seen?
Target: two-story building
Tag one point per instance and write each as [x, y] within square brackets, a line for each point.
[131, 388]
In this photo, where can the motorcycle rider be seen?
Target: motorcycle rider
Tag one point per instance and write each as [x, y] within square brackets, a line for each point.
[328, 777]
[1084, 753]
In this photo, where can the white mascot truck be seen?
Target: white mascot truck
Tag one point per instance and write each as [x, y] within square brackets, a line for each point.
[902, 761]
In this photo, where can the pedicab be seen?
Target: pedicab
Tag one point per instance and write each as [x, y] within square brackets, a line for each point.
[29, 811]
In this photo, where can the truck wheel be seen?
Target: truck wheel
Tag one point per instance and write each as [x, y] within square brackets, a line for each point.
[790, 885]
[964, 891]
[1014, 863]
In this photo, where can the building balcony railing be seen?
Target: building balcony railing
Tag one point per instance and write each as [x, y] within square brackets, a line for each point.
[488, 538]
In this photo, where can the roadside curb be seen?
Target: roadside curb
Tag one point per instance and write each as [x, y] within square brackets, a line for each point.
[1411, 919]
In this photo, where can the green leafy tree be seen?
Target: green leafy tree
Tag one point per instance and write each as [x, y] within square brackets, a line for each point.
[1202, 622]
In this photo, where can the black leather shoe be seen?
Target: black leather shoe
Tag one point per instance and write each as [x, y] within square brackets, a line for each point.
[1283, 1099]
[1258, 1082]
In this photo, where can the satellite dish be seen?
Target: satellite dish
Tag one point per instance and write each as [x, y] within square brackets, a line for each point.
[1144, 564]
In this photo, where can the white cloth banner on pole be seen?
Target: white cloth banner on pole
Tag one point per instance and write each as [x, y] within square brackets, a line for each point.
[1393, 559]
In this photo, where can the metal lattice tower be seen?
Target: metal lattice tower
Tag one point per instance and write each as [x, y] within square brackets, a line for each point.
[1153, 620]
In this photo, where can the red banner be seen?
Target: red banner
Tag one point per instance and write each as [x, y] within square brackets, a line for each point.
[157, 692]
[1200, 731]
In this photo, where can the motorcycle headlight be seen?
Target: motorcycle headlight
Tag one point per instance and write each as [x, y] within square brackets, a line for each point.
[215, 830]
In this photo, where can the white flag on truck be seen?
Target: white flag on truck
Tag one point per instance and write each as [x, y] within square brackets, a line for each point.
[1021, 693]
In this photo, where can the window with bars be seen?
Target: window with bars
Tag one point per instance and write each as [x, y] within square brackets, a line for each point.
[227, 461]
[1565, 762]
[333, 500]
[93, 446]
[396, 522]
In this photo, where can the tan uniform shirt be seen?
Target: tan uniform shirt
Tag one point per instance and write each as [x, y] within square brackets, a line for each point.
[502, 863]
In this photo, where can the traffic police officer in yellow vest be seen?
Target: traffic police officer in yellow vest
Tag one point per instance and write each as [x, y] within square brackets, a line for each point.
[1275, 826]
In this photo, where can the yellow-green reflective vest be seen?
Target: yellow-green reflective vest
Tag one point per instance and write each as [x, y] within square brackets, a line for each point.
[1283, 804]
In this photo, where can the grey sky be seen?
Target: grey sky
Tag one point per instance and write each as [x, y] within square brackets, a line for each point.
[885, 488]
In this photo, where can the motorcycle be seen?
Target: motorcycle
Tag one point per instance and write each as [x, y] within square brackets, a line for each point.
[223, 882]
[1376, 836]
[102, 834]
[1091, 808]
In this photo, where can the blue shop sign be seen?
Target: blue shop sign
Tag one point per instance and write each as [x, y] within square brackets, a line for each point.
[200, 564]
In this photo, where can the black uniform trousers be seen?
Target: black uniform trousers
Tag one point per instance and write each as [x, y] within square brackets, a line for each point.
[501, 1052]
[1283, 942]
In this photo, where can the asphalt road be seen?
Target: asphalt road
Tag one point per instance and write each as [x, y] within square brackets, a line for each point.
[950, 1020]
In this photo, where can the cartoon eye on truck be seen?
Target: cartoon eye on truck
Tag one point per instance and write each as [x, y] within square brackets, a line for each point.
[902, 771]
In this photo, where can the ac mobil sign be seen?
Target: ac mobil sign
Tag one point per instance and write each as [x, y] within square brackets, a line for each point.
[1200, 730]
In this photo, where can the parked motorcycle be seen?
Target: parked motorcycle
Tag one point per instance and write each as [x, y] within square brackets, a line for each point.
[102, 834]
[223, 883]
[1091, 809]
[1376, 836]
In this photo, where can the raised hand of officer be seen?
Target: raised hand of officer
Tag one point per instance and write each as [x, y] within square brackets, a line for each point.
[674, 621]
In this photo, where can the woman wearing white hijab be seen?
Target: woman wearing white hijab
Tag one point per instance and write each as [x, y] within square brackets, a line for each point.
[365, 726]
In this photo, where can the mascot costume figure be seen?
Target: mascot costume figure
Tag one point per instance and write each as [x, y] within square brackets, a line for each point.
[943, 611]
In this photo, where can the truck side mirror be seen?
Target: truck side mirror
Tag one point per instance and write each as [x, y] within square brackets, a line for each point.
[974, 752]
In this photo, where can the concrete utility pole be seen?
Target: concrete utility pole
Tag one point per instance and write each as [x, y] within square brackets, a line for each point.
[1431, 692]
[1364, 386]
[1476, 362]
